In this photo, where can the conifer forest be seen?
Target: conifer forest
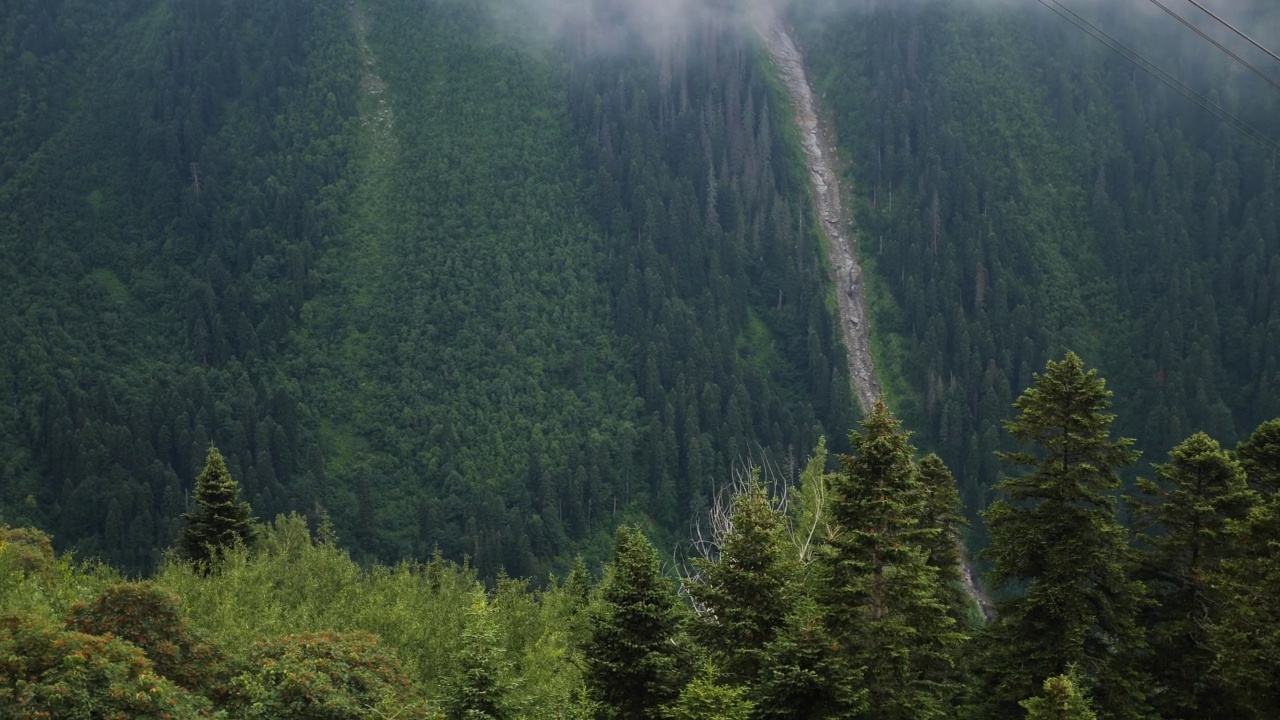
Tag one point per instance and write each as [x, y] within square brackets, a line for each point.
[622, 360]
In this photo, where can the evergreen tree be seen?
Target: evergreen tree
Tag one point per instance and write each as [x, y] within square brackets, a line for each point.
[1055, 537]
[706, 698]
[1247, 635]
[882, 599]
[635, 663]
[1062, 700]
[1191, 501]
[943, 518]
[746, 592]
[1260, 457]
[477, 692]
[221, 520]
[804, 673]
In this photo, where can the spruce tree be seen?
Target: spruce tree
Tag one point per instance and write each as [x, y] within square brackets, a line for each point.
[883, 598]
[478, 692]
[805, 672]
[1247, 635]
[635, 662]
[1184, 517]
[941, 515]
[745, 592]
[1055, 540]
[220, 521]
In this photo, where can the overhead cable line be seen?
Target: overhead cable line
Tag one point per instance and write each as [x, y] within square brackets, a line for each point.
[1155, 71]
[1256, 44]
[1217, 44]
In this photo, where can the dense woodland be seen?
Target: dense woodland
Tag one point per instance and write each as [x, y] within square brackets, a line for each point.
[839, 597]
[1022, 189]
[461, 289]
[457, 293]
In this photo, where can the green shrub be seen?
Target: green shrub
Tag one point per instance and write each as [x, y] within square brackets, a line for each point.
[148, 617]
[325, 676]
[46, 672]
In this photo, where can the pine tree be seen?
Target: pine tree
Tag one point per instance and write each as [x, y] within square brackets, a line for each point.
[746, 592]
[635, 662]
[221, 521]
[1055, 537]
[883, 600]
[1062, 700]
[1185, 518]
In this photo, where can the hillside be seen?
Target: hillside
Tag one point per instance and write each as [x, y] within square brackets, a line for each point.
[1022, 190]
[460, 286]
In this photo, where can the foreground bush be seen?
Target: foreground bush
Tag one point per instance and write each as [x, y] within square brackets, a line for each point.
[148, 618]
[47, 672]
[324, 676]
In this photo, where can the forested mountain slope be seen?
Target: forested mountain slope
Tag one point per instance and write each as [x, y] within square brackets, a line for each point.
[170, 169]
[1024, 189]
[461, 288]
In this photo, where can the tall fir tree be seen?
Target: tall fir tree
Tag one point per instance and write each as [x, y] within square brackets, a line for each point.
[1057, 543]
[943, 517]
[1184, 517]
[221, 520]
[746, 593]
[478, 691]
[636, 662]
[883, 600]
[1247, 635]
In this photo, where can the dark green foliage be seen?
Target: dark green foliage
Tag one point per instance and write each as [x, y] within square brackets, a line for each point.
[1186, 514]
[745, 593]
[1062, 700]
[146, 318]
[1246, 634]
[221, 520]
[807, 673]
[1056, 540]
[1260, 457]
[324, 676]
[148, 618]
[636, 663]
[47, 672]
[943, 517]
[1023, 190]
[883, 599]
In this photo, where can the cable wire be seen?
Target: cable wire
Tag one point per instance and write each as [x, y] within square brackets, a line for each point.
[1155, 71]
[1217, 44]
[1256, 44]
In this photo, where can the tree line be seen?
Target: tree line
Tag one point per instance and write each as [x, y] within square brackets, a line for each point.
[839, 597]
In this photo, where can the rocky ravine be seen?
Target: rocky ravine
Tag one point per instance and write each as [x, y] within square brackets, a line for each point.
[821, 157]
[820, 154]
